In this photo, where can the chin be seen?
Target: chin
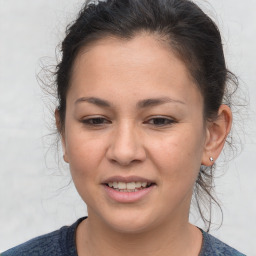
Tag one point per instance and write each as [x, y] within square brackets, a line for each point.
[130, 222]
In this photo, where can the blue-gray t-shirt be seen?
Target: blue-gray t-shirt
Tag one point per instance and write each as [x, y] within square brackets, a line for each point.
[62, 243]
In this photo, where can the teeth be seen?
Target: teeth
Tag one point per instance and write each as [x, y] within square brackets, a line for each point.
[115, 185]
[121, 185]
[128, 186]
[144, 184]
[137, 184]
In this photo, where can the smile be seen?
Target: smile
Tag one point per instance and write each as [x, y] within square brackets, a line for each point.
[128, 187]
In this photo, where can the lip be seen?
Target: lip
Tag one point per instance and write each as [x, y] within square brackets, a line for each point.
[128, 197]
[126, 179]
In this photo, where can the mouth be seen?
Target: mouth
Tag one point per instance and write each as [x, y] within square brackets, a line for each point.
[129, 187]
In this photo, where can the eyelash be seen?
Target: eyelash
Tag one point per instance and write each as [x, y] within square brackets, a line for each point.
[95, 121]
[90, 121]
[164, 119]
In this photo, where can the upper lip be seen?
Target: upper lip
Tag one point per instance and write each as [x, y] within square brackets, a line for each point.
[126, 179]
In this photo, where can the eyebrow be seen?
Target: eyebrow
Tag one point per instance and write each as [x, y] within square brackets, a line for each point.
[140, 104]
[96, 101]
[156, 101]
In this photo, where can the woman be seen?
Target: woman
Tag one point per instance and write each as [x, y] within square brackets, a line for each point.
[141, 86]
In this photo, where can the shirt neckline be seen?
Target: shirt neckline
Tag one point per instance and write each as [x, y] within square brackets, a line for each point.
[71, 243]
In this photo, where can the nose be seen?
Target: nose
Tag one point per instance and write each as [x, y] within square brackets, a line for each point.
[126, 145]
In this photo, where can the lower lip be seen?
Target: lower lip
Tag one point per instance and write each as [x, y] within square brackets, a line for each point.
[128, 197]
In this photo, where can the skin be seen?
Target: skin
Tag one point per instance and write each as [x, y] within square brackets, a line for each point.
[130, 140]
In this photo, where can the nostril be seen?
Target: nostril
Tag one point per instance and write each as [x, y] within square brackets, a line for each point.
[124, 162]
[125, 150]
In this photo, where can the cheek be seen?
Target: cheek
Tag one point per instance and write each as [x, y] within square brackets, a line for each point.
[178, 156]
[177, 160]
[85, 154]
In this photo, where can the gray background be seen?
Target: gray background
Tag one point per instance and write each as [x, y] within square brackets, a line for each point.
[35, 195]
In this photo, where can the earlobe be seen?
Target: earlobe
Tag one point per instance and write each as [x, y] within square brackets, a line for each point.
[61, 133]
[65, 158]
[217, 132]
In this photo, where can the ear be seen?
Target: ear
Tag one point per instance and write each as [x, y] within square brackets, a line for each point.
[62, 134]
[216, 134]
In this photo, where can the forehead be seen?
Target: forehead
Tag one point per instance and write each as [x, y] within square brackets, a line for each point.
[143, 49]
[143, 63]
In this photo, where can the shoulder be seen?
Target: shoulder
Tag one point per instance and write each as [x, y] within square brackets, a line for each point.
[59, 242]
[214, 247]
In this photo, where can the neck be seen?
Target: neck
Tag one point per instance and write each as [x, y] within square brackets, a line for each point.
[95, 238]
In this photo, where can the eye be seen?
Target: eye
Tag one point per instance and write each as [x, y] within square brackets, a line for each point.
[161, 121]
[95, 121]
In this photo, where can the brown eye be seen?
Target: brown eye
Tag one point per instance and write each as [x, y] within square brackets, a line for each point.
[96, 121]
[161, 121]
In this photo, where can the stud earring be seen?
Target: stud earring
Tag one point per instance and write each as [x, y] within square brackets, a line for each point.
[211, 159]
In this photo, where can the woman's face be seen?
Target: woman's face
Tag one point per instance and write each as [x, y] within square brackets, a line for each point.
[134, 118]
